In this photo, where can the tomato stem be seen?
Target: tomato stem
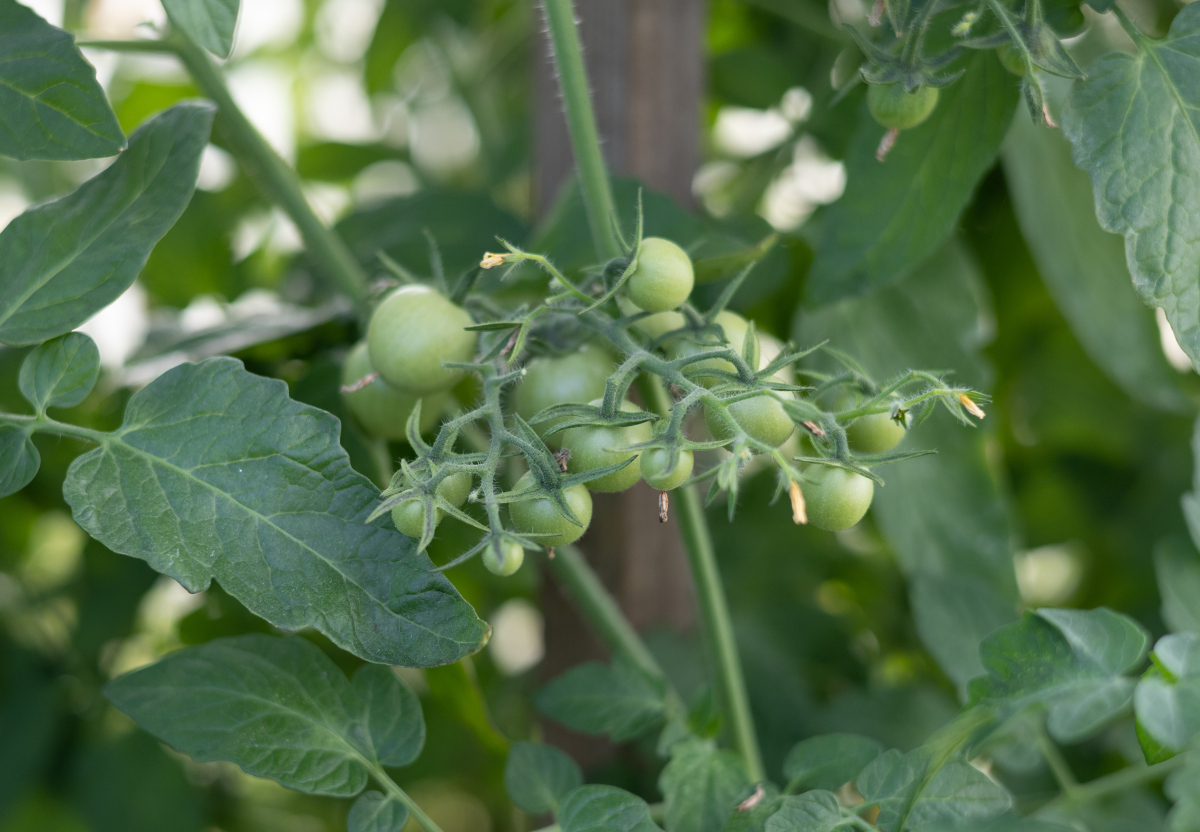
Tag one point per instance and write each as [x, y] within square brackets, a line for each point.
[581, 124]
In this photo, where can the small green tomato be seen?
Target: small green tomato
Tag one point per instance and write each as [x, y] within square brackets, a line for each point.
[409, 517]
[503, 558]
[898, 109]
[660, 474]
[1012, 59]
[663, 277]
[877, 433]
[762, 418]
[381, 409]
[540, 516]
[835, 498]
[593, 447]
[412, 332]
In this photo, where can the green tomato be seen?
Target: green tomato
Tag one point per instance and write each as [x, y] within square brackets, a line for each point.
[663, 278]
[762, 417]
[898, 109]
[577, 378]
[660, 474]
[1012, 59]
[503, 558]
[455, 488]
[540, 516]
[660, 323]
[734, 327]
[409, 517]
[835, 498]
[412, 332]
[593, 447]
[381, 409]
[874, 434]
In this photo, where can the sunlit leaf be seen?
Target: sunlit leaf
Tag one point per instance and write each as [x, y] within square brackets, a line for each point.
[210, 23]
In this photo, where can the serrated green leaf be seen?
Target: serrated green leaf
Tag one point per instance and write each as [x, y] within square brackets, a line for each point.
[700, 786]
[61, 372]
[276, 707]
[604, 809]
[1134, 127]
[896, 214]
[830, 760]
[537, 776]
[62, 261]
[755, 818]
[376, 812]
[1167, 699]
[217, 474]
[19, 459]
[1177, 567]
[1069, 662]
[618, 700]
[812, 812]
[1083, 266]
[953, 614]
[51, 106]
[911, 796]
[210, 23]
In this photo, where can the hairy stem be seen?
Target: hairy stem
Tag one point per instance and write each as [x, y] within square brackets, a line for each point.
[277, 180]
[714, 609]
[395, 791]
[581, 122]
[1116, 782]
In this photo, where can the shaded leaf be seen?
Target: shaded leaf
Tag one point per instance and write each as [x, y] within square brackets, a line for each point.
[829, 761]
[812, 812]
[604, 809]
[62, 261]
[953, 614]
[1167, 699]
[896, 214]
[19, 459]
[51, 106]
[1178, 569]
[1083, 266]
[618, 700]
[755, 818]
[217, 474]
[220, 700]
[376, 812]
[912, 793]
[1069, 662]
[1134, 127]
[537, 777]
[60, 373]
[210, 23]
[700, 786]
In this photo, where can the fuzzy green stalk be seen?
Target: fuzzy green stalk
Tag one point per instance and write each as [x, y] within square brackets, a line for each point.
[581, 123]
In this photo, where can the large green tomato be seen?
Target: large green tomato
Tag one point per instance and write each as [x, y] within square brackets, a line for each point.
[898, 109]
[835, 498]
[412, 332]
[572, 379]
[409, 516]
[660, 474]
[663, 278]
[503, 558]
[380, 408]
[539, 516]
[593, 447]
[874, 434]
[762, 417]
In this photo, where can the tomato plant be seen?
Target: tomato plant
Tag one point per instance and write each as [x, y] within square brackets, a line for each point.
[364, 439]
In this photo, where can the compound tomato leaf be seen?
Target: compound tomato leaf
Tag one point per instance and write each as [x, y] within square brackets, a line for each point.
[62, 261]
[19, 459]
[210, 23]
[617, 700]
[1069, 662]
[912, 794]
[217, 474]
[700, 786]
[51, 106]
[1167, 699]
[1135, 129]
[604, 809]
[537, 777]
[896, 214]
[61, 372]
[1083, 266]
[219, 700]
[811, 812]
[1178, 569]
[829, 761]
[376, 812]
